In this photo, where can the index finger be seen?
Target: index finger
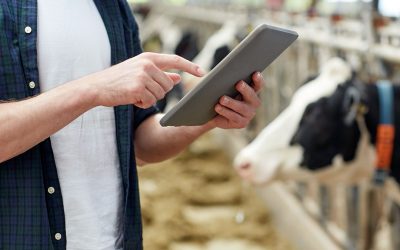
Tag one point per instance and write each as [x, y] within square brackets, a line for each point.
[165, 62]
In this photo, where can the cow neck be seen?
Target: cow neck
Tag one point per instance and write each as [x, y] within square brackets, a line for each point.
[385, 135]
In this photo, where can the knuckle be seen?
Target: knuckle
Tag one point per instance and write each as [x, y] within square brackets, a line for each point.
[161, 95]
[148, 103]
[241, 107]
[153, 101]
[169, 80]
[146, 55]
[219, 109]
[147, 65]
[142, 56]
[167, 85]
[139, 88]
[176, 59]
[142, 78]
[236, 119]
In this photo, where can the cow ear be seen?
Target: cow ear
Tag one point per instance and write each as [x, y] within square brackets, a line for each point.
[351, 103]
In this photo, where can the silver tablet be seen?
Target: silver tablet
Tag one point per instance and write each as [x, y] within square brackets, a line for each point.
[259, 49]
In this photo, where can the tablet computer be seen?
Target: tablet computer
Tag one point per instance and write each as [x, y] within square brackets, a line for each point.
[259, 49]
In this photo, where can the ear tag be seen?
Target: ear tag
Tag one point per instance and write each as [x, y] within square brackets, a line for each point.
[351, 103]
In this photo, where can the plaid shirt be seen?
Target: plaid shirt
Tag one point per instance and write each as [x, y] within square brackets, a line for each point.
[31, 205]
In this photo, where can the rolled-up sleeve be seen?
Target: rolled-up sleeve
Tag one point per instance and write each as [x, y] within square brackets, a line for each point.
[143, 114]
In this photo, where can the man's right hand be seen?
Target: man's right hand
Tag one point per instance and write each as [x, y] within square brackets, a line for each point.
[140, 80]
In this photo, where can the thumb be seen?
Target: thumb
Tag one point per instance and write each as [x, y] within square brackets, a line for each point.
[176, 78]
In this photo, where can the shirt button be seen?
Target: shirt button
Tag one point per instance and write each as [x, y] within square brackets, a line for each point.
[57, 236]
[32, 85]
[28, 29]
[51, 190]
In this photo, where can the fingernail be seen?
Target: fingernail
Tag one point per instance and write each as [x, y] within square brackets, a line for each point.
[201, 71]
[224, 100]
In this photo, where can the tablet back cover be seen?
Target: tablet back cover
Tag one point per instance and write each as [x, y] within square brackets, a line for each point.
[258, 50]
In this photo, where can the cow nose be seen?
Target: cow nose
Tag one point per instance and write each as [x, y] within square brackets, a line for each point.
[245, 166]
[244, 170]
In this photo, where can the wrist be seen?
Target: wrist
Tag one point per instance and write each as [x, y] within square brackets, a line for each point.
[87, 92]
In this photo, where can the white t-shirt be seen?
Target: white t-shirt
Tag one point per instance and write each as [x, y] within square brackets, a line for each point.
[73, 42]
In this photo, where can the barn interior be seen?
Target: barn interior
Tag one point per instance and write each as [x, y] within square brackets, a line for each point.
[319, 166]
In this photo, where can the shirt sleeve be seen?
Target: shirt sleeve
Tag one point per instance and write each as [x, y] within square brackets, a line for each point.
[142, 114]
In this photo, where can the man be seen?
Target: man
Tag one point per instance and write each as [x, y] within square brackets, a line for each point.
[67, 158]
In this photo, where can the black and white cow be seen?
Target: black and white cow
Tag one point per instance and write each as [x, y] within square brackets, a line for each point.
[315, 132]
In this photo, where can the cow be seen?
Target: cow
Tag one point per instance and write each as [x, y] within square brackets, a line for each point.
[270, 155]
[314, 137]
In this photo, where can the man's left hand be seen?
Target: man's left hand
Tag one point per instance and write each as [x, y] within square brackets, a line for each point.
[237, 113]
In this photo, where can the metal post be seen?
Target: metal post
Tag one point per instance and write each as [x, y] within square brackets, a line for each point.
[353, 199]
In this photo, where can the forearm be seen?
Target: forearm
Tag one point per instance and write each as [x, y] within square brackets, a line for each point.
[154, 143]
[24, 124]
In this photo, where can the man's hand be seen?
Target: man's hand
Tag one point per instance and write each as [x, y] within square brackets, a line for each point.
[141, 80]
[237, 113]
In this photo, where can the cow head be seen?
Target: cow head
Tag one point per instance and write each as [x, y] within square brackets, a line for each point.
[272, 155]
[328, 128]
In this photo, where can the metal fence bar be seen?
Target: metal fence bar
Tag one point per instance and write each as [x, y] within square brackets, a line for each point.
[353, 201]
[325, 204]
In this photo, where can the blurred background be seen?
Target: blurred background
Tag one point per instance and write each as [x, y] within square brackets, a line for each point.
[307, 173]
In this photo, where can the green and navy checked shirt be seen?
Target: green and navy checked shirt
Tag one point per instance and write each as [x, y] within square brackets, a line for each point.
[31, 214]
